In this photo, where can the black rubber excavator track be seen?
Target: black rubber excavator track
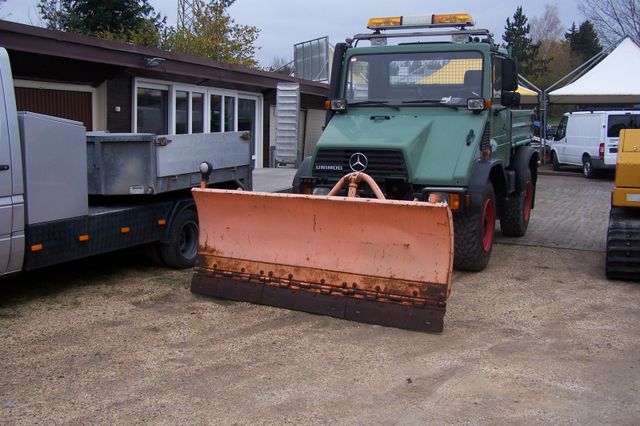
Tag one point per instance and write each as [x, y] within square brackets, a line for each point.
[623, 244]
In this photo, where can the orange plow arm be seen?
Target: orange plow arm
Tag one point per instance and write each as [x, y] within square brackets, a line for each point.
[376, 261]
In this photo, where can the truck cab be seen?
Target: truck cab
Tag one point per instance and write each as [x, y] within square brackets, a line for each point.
[12, 208]
[431, 118]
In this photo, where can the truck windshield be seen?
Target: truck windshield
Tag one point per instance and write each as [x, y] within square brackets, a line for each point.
[427, 78]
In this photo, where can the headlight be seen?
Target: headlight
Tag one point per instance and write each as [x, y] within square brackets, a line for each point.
[475, 104]
[338, 104]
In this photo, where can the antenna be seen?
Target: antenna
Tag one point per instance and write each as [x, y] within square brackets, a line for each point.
[185, 12]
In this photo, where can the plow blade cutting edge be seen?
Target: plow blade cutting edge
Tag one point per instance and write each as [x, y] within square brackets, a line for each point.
[382, 262]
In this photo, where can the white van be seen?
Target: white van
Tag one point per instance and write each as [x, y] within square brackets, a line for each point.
[590, 139]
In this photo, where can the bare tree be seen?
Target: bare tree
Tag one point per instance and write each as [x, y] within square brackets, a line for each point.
[281, 65]
[547, 26]
[613, 19]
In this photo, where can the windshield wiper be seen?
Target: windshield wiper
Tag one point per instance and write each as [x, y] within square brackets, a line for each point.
[431, 102]
[376, 103]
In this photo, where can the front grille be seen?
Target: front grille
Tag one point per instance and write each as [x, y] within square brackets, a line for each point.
[332, 164]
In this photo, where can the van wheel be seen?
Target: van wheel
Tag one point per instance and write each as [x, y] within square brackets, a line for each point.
[587, 167]
[554, 161]
[517, 210]
[473, 234]
[182, 248]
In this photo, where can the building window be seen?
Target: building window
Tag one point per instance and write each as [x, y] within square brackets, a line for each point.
[152, 111]
[246, 115]
[165, 107]
[229, 114]
[216, 113]
[182, 112]
[197, 112]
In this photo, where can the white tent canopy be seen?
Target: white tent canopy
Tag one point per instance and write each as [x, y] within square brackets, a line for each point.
[613, 81]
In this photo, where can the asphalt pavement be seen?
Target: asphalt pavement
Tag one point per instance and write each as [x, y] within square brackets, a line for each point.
[570, 212]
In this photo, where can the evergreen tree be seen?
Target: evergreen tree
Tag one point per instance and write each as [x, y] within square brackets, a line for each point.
[125, 20]
[583, 41]
[516, 37]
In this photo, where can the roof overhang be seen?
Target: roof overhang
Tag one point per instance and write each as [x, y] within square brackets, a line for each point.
[31, 40]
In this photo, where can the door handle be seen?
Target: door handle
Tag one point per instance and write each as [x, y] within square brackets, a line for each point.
[4, 167]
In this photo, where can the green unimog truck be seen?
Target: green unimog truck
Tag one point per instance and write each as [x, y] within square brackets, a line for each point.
[434, 116]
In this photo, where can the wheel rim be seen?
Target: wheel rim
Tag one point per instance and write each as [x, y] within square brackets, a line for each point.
[189, 240]
[488, 225]
[587, 168]
[526, 209]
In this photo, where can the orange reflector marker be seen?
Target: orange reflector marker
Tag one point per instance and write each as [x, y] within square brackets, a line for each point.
[453, 18]
[327, 104]
[454, 201]
[488, 103]
[162, 222]
[83, 238]
[124, 230]
[387, 21]
[37, 247]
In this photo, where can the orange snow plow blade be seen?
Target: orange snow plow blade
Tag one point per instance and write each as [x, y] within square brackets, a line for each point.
[375, 261]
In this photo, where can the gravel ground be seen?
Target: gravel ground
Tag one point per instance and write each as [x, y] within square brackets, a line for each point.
[110, 341]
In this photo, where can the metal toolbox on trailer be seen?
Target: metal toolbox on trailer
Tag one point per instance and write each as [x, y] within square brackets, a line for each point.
[54, 167]
[143, 163]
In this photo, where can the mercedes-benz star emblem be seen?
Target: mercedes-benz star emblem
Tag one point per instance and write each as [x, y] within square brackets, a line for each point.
[358, 162]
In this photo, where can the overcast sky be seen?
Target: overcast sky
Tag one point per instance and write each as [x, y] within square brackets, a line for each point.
[286, 22]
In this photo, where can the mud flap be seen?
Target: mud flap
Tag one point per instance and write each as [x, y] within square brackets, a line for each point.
[382, 262]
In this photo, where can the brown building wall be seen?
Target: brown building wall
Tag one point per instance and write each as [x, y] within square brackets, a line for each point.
[58, 103]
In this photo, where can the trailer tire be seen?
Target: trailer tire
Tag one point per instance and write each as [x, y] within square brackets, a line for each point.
[517, 210]
[153, 253]
[473, 234]
[180, 252]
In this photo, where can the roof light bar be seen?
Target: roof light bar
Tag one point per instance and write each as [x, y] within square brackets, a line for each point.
[440, 20]
[385, 22]
[453, 19]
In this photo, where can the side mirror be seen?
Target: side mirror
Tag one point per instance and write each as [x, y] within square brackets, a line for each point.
[509, 99]
[509, 75]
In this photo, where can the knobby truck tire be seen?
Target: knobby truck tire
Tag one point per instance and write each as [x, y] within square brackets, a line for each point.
[180, 252]
[517, 210]
[473, 235]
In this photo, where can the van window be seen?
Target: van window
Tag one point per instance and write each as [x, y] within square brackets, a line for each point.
[620, 122]
[562, 129]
